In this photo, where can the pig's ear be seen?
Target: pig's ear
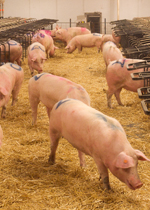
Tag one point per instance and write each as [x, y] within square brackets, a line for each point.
[67, 47]
[3, 91]
[44, 58]
[124, 161]
[33, 59]
[58, 32]
[141, 156]
[56, 48]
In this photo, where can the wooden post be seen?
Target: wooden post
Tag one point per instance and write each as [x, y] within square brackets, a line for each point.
[117, 9]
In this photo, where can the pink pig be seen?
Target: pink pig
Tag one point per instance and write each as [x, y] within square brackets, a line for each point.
[46, 41]
[108, 37]
[66, 35]
[49, 89]
[119, 77]
[36, 57]
[97, 135]
[15, 53]
[11, 78]
[111, 52]
[115, 37]
[87, 40]
[50, 32]
[1, 136]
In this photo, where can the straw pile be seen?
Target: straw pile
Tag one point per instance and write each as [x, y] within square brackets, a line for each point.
[28, 182]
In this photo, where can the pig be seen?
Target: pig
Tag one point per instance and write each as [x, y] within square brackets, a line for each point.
[87, 40]
[36, 57]
[46, 41]
[97, 135]
[119, 77]
[11, 79]
[50, 32]
[1, 136]
[11, 51]
[66, 35]
[111, 52]
[49, 89]
[108, 37]
[116, 38]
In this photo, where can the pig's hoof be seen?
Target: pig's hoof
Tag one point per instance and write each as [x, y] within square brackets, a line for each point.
[51, 161]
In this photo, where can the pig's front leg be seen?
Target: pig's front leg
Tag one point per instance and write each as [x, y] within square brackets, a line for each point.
[3, 113]
[81, 158]
[79, 48]
[103, 174]
[48, 112]
[54, 136]
[15, 93]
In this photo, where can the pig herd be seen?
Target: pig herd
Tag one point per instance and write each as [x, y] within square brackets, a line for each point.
[68, 104]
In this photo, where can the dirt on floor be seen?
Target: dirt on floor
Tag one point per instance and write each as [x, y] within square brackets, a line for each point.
[28, 182]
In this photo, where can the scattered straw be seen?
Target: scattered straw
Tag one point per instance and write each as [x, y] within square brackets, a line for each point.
[27, 182]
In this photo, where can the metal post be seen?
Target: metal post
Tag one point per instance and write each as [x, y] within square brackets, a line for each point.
[70, 22]
[104, 25]
[118, 10]
[0, 10]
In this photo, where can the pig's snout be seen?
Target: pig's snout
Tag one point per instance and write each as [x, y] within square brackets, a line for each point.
[135, 186]
[139, 185]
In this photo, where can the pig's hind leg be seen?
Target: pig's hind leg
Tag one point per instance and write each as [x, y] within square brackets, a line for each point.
[109, 95]
[3, 113]
[34, 106]
[117, 95]
[54, 136]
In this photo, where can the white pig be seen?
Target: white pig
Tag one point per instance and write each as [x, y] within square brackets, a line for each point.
[11, 78]
[97, 135]
[119, 77]
[111, 52]
[49, 89]
[86, 40]
[11, 51]
[46, 41]
[36, 57]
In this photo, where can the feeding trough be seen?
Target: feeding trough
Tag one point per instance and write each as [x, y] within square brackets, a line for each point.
[144, 92]
[146, 106]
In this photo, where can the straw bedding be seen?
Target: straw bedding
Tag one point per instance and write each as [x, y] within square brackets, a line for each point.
[27, 181]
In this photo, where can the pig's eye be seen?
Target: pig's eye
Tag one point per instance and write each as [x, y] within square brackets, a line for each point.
[127, 170]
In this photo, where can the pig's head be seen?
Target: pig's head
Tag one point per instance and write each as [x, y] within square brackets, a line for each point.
[37, 63]
[52, 52]
[70, 48]
[126, 168]
[59, 34]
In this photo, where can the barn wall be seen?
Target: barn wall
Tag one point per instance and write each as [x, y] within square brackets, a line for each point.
[63, 10]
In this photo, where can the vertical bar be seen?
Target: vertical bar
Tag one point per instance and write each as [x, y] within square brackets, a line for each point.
[118, 10]
[0, 10]
[104, 25]
[70, 22]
